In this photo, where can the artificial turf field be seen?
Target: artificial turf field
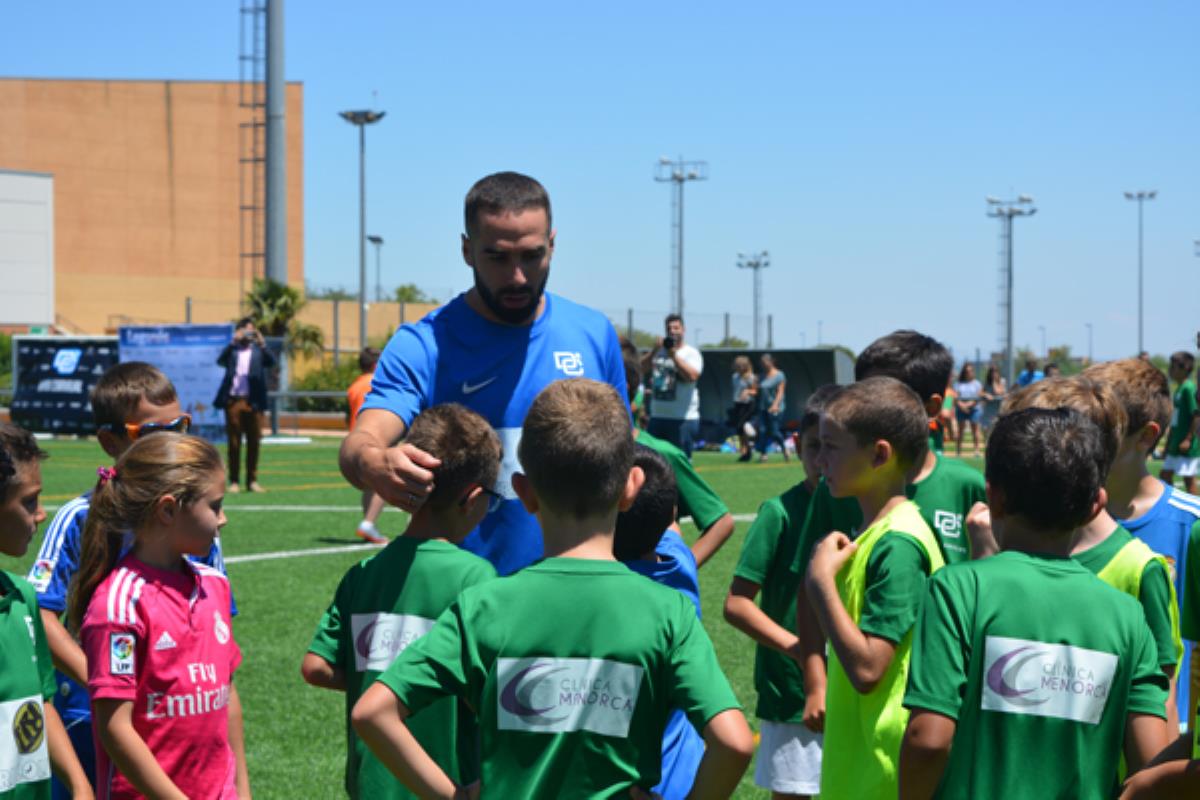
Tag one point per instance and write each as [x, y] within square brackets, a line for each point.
[295, 734]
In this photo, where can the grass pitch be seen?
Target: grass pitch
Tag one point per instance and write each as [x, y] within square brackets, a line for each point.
[295, 734]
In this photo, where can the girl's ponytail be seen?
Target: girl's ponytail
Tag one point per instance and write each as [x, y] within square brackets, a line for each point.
[99, 549]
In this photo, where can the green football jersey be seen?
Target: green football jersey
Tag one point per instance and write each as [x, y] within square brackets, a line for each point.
[944, 497]
[1181, 421]
[382, 605]
[826, 514]
[696, 498]
[573, 667]
[767, 557]
[1010, 648]
[26, 684]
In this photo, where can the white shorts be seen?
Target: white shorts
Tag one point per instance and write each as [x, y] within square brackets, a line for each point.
[1183, 466]
[789, 759]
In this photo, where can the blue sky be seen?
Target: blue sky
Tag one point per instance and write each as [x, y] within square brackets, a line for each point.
[854, 141]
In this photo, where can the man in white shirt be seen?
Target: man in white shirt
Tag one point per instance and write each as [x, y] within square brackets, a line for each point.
[674, 368]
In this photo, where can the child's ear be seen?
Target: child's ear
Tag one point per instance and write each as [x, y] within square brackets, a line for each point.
[1098, 506]
[933, 406]
[110, 443]
[633, 485]
[165, 508]
[524, 490]
[883, 453]
[995, 501]
[1148, 436]
[470, 498]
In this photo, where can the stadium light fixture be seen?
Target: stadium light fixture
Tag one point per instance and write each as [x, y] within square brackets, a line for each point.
[678, 173]
[1141, 196]
[1005, 211]
[362, 119]
[756, 262]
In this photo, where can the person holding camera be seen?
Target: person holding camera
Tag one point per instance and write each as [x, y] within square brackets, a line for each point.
[674, 367]
[243, 395]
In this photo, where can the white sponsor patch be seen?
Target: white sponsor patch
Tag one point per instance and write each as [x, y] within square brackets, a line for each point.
[948, 523]
[1046, 680]
[120, 653]
[379, 638]
[24, 754]
[558, 695]
[570, 363]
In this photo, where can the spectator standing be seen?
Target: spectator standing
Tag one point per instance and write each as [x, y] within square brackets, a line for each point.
[243, 395]
[745, 402]
[1031, 373]
[968, 407]
[994, 390]
[675, 367]
[771, 388]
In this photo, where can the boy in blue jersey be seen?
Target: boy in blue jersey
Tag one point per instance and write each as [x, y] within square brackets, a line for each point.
[492, 349]
[647, 541]
[130, 400]
[1163, 517]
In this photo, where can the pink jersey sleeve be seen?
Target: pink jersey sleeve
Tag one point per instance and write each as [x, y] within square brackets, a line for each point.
[113, 637]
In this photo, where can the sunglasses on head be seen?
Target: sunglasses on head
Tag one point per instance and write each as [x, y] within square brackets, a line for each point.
[180, 424]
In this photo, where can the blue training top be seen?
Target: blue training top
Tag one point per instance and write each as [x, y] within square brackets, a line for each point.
[683, 747]
[454, 355]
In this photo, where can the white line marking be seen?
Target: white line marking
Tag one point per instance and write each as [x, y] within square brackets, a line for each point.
[316, 551]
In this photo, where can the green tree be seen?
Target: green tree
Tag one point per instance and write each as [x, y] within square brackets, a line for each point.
[273, 307]
[410, 293]
[734, 342]
[329, 293]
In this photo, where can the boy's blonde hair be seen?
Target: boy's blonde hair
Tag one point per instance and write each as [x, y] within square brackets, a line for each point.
[466, 445]
[577, 447]
[1094, 400]
[883, 408]
[1142, 389]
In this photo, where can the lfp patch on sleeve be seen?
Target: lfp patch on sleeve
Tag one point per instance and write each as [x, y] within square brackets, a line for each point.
[120, 656]
[559, 695]
[1046, 680]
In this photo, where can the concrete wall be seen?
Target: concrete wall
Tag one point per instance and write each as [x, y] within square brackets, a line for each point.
[146, 192]
[26, 248]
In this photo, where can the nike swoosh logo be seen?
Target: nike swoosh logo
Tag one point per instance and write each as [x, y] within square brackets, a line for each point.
[468, 388]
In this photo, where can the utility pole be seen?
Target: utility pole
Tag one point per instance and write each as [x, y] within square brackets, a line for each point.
[756, 262]
[678, 173]
[1141, 197]
[1005, 210]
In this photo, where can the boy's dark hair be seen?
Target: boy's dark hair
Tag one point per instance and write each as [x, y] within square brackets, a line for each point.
[815, 405]
[17, 446]
[1183, 360]
[920, 362]
[577, 447]
[653, 510]
[883, 408]
[672, 317]
[120, 390]
[1142, 389]
[504, 193]
[368, 357]
[1049, 464]
[466, 445]
[633, 377]
[1094, 400]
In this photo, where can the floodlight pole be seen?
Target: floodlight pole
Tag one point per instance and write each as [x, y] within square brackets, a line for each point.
[1141, 197]
[756, 262]
[378, 242]
[362, 119]
[1005, 210]
[678, 173]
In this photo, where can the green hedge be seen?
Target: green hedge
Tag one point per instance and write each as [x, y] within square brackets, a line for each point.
[326, 379]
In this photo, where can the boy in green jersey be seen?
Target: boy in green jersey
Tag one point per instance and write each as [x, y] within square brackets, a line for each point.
[1183, 437]
[791, 688]
[388, 601]
[1028, 675]
[1102, 545]
[32, 737]
[866, 592]
[573, 664]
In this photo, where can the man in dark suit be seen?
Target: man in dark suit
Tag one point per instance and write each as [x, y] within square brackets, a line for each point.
[243, 395]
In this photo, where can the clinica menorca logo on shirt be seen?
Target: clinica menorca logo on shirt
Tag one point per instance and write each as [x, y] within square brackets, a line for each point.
[1046, 680]
[379, 638]
[560, 695]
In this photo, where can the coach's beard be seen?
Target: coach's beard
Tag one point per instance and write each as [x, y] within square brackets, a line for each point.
[512, 315]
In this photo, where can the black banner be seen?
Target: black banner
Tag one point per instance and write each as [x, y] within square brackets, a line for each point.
[54, 379]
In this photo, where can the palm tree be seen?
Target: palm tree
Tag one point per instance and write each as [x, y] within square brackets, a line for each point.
[273, 306]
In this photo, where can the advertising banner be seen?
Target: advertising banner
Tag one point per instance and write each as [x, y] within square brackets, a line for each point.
[53, 379]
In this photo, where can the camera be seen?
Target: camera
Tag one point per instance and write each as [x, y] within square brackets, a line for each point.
[669, 342]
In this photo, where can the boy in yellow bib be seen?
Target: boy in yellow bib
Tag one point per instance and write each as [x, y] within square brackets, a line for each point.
[866, 592]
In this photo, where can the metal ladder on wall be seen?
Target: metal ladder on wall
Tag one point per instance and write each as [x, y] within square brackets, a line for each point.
[252, 149]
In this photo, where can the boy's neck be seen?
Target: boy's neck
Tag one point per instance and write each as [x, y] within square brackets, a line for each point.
[1132, 493]
[565, 536]
[1018, 536]
[881, 499]
[810, 482]
[1094, 533]
[425, 526]
[921, 472]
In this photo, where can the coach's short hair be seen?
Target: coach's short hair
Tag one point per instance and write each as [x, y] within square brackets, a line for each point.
[920, 362]
[673, 317]
[577, 447]
[121, 389]
[1142, 389]
[1094, 400]
[466, 445]
[653, 510]
[1049, 464]
[504, 193]
[883, 408]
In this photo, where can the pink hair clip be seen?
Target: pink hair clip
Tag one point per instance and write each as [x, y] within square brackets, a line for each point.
[106, 474]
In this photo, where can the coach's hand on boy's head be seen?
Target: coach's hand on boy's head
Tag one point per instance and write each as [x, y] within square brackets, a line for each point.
[401, 475]
[829, 555]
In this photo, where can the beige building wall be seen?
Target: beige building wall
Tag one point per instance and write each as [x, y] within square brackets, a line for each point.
[146, 193]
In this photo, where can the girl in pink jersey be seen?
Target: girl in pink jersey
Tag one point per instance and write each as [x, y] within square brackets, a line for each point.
[156, 628]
